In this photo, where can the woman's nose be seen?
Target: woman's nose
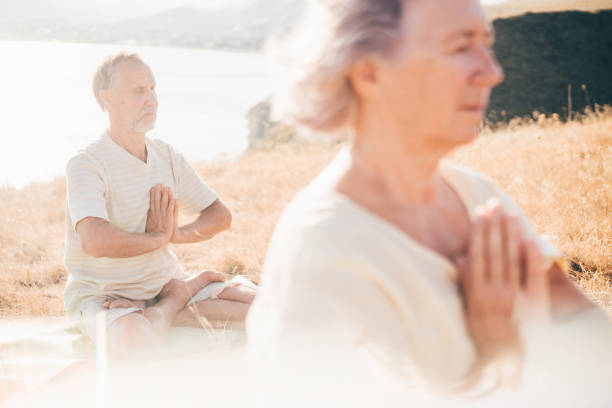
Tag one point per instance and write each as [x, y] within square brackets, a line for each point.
[490, 73]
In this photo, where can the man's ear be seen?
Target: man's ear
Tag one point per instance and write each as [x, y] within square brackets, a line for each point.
[105, 99]
[364, 77]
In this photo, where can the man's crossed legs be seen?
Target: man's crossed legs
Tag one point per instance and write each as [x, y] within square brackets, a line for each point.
[145, 326]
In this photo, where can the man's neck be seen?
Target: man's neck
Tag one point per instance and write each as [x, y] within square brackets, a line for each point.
[132, 142]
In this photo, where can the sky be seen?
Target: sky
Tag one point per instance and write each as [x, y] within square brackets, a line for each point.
[111, 11]
[138, 8]
[102, 9]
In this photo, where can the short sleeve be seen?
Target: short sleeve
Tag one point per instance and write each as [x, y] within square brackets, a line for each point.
[194, 194]
[86, 189]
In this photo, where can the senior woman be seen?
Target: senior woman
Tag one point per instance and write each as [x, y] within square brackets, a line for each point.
[391, 248]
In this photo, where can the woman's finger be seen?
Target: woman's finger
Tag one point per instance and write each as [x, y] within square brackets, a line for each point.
[461, 264]
[513, 239]
[495, 246]
[476, 255]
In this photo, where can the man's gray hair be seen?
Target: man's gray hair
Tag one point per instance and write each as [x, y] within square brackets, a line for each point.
[103, 77]
[314, 89]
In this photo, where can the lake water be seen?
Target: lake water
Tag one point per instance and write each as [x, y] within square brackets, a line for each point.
[48, 112]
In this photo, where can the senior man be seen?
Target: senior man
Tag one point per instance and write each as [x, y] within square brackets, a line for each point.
[123, 199]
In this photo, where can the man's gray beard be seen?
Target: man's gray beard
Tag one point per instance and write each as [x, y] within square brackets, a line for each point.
[142, 128]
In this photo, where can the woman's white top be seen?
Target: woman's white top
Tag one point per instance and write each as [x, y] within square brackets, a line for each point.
[337, 275]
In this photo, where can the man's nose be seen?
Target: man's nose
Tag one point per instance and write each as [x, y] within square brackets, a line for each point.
[490, 73]
[151, 99]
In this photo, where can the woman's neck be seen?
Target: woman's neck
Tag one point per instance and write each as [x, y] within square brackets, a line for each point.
[389, 163]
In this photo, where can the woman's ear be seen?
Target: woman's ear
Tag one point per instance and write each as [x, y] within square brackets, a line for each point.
[364, 77]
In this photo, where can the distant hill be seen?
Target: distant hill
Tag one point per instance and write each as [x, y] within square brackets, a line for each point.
[245, 28]
[544, 53]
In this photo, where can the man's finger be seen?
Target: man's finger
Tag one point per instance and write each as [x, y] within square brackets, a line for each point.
[171, 208]
[171, 199]
[151, 199]
[156, 203]
[164, 203]
[176, 211]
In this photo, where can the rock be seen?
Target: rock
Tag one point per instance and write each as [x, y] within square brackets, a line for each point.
[264, 133]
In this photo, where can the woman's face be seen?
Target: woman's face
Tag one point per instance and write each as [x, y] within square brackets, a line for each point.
[437, 81]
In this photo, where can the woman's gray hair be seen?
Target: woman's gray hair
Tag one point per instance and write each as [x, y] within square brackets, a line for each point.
[103, 78]
[313, 89]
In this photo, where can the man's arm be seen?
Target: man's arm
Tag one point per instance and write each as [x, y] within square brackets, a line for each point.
[212, 220]
[99, 238]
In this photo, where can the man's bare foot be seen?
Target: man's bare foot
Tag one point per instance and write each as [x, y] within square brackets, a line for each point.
[122, 303]
[216, 312]
[183, 290]
[238, 293]
[174, 296]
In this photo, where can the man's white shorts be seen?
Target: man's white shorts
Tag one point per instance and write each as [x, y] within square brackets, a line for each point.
[89, 308]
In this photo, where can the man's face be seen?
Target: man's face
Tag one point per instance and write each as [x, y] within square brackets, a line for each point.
[438, 80]
[131, 98]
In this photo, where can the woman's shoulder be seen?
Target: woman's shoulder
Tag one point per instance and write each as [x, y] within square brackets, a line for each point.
[474, 186]
[317, 219]
[459, 173]
[476, 189]
[318, 215]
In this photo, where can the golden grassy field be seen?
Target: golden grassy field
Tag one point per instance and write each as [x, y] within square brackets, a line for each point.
[560, 174]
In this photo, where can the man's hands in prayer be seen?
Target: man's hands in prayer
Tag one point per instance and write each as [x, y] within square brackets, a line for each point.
[163, 212]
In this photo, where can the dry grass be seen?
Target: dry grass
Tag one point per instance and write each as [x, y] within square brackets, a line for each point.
[257, 187]
[559, 173]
